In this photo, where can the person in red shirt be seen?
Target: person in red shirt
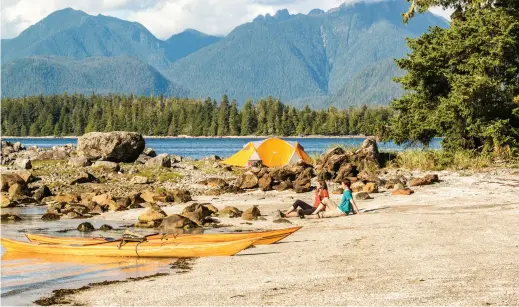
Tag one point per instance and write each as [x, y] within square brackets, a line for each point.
[301, 208]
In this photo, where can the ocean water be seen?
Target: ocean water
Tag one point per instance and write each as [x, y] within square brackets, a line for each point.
[224, 147]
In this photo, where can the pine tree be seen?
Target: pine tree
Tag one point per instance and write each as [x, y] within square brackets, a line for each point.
[223, 117]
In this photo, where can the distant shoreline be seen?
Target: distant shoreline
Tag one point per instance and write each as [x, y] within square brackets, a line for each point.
[206, 137]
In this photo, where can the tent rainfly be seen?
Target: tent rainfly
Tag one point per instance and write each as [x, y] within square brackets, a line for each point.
[271, 152]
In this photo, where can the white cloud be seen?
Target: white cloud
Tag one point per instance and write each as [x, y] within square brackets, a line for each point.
[162, 17]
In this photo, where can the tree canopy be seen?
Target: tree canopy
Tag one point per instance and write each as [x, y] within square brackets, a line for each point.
[463, 82]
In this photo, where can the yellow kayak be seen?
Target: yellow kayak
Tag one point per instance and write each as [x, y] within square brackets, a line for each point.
[132, 249]
[262, 238]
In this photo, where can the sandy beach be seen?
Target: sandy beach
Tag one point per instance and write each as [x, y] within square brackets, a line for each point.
[452, 243]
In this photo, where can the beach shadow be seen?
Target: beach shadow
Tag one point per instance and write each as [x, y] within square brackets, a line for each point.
[256, 254]
[374, 210]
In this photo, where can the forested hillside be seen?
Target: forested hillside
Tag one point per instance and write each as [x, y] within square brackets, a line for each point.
[77, 114]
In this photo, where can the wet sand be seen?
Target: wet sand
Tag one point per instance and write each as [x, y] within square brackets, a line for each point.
[452, 243]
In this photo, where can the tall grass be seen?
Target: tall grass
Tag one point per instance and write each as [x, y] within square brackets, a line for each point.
[440, 160]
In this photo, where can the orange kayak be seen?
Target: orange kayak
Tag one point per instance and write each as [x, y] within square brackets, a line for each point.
[132, 249]
[262, 237]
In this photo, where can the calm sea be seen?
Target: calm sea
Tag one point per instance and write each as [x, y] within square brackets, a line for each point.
[202, 147]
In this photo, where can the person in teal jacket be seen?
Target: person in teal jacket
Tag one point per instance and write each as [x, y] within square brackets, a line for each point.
[347, 204]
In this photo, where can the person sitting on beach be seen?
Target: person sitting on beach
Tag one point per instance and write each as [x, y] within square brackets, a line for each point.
[346, 207]
[301, 208]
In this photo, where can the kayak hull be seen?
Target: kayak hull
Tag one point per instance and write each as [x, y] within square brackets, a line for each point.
[262, 238]
[132, 249]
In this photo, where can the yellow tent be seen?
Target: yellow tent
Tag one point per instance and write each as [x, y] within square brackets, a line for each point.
[271, 152]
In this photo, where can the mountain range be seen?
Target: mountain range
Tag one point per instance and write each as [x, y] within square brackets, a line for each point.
[336, 58]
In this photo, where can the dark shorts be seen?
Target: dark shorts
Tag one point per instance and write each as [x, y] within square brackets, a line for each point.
[307, 208]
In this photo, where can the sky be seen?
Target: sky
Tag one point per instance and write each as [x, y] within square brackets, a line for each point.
[162, 17]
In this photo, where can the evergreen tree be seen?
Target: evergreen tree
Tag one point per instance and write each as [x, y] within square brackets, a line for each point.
[223, 117]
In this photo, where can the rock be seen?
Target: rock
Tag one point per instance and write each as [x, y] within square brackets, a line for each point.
[79, 162]
[357, 186]
[152, 214]
[399, 186]
[212, 158]
[121, 204]
[105, 200]
[55, 208]
[204, 210]
[175, 221]
[6, 202]
[247, 181]
[195, 216]
[116, 146]
[17, 146]
[50, 217]
[283, 185]
[176, 158]
[229, 211]
[72, 215]
[142, 159]
[52, 155]
[135, 198]
[331, 152]
[282, 174]
[149, 152]
[216, 182]
[346, 170]
[406, 191]
[10, 218]
[85, 227]
[41, 193]
[105, 227]
[265, 183]
[17, 190]
[302, 185]
[22, 163]
[181, 196]
[369, 150]
[151, 196]
[370, 187]
[8, 179]
[25, 175]
[251, 214]
[162, 160]
[83, 177]
[426, 180]
[362, 196]
[86, 198]
[107, 166]
[281, 221]
[338, 191]
[139, 180]
[335, 162]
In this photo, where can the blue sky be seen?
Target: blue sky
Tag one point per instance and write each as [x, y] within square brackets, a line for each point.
[162, 17]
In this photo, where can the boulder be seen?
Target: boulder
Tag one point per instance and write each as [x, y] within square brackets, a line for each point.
[247, 181]
[105, 227]
[52, 155]
[50, 217]
[176, 221]
[105, 200]
[162, 160]
[338, 191]
[362, 196]
[216, 182]
[41, 193]
[211, 208]
[346, 170]
[426, 180]
[17, 146]
[86, 198]
[121, 204]
[176, 158]
[357, 186]
[405, 191]
[149, 152]
[142, 159]
[136, 198]
[72, 215]
[10, 218]
[335, 162]
[22, 163]
[83, 177]
[282, 174]
[370, 187]
[283, 185]
[116, 146]
[107, 166]
[25, 175]
[8, 179]
[195, 216]
[329, 153]
[206, 210]
[181, 196]
[369, 150]
[399, 186]
[251, 214]
[79, 162]
[151, 218]
[265, 183]
[18, 190]
[155, 196]
[229, 211]
[86, 227]
[139, 180]
[6, 202]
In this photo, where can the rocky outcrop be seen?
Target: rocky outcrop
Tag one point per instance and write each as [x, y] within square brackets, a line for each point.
[117, 146]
